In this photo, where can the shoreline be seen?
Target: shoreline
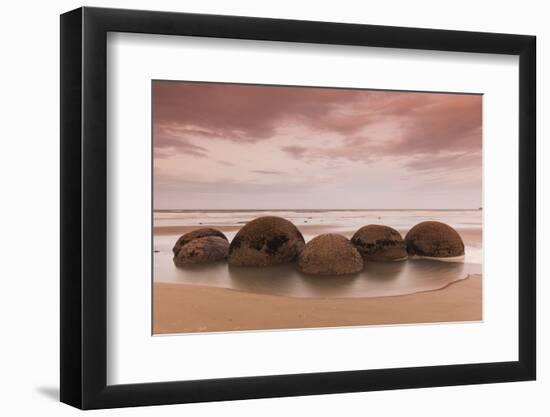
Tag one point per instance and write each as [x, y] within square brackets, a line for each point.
[274, 292]
[184, 308]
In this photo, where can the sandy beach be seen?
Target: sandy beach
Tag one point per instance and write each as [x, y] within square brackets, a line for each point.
[183, 308]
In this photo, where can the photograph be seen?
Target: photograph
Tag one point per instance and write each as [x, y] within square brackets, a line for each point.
[293, 207]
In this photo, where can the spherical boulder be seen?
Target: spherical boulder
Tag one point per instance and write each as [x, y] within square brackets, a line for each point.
[434, 239]
[330, 254]
[266, 241]
[195, 234]
[379, 243]
[202, 250]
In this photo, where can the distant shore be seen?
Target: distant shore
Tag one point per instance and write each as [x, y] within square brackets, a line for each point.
[183, 308]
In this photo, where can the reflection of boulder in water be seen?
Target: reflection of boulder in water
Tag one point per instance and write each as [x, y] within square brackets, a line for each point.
[379, 243]
[202, 250]
[434, 239]
[278, 279]
[432, 272]
[330, 254]
[330, 285]
[266, 241]
[196, 234]
[385, 271]
[286, 280]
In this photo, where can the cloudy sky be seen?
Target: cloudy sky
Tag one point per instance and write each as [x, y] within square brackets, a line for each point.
[225, 146]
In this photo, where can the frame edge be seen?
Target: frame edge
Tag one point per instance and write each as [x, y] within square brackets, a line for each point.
[70, 208]
[527, 135]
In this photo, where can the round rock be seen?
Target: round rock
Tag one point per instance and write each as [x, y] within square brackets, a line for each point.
[330, 254]
[434, 239]
[266, 241]
[196, 234]
[202, 250]
[379, 243]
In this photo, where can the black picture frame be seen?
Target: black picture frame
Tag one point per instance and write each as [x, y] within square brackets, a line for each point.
[84, 207]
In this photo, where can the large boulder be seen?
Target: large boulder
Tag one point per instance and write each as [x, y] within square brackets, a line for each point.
[266, 241]
[330, 254]
[434, 239]
[202, 250]
[196, 234]
[379, 243]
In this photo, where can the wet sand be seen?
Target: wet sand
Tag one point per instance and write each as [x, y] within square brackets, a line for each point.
[184, 308]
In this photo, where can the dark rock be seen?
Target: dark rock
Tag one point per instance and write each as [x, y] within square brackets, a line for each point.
[266, 241]
[330, 254]
[202, 250]
[434, 239]
[195, 234]
[379, 243]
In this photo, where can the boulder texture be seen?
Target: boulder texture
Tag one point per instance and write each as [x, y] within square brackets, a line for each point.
[379, 243]
[195, 234]
[266, 241]
[330, 254]
[202, 250]
[434, 239]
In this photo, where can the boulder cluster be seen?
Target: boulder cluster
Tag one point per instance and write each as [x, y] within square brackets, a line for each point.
[270, 240]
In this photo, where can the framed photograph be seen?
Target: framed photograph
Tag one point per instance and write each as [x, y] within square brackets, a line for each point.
[257, 208]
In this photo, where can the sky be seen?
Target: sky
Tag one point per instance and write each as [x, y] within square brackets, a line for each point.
[238, 146]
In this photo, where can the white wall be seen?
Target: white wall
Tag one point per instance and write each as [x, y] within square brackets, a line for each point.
[29, 100]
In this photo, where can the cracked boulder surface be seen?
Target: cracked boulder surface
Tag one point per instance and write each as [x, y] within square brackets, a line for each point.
[196, 234]
[266, 241]
[379, 243]
[434, 239]
[202, 250]
[330, 254]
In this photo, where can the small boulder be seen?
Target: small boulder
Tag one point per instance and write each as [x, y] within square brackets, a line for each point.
[202, 250]
[434, 239]
[379, 243]
[266, 241]
[195, 234]
[330, 254]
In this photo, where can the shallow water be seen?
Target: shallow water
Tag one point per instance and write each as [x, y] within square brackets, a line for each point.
[377, 279]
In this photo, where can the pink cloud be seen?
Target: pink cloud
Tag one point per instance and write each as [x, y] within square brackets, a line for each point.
[246, 112]
[419, 122]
